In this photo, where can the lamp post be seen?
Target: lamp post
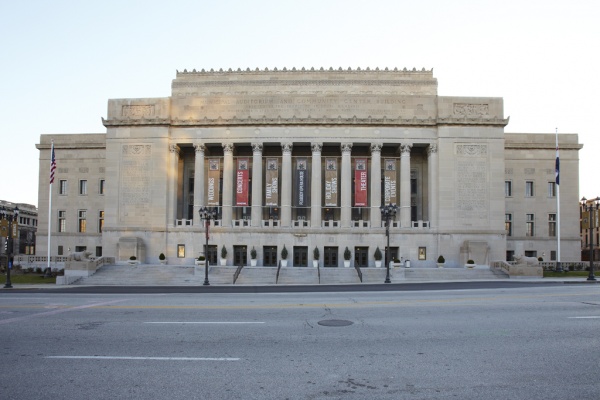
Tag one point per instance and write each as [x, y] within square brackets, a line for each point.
[591, 208]
[10, 222]
[387, 212]
[207, 214]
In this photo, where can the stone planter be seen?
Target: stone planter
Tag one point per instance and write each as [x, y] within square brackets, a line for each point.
[377, 263]
[163, 262]
[470, 265]
[133, 262]
[284, 263]
[347, 263]
[223, 262]
[315, 263]
[200, 263]
[440, 265]
[253, 262]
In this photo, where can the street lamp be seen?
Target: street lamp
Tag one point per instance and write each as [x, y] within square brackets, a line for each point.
[207, 214]
[388, 212]
[8, 221]
[594, 205]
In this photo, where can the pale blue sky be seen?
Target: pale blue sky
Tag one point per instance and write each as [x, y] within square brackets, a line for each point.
[61, 61]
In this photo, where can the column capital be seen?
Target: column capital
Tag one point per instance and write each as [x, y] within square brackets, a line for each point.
[405, 148]
[228, 147]
[432, 149]
[200, 147]
[257, 147]
[173, 148]
[346, 147]
[316, 147]
[287, 147]
[376, 148]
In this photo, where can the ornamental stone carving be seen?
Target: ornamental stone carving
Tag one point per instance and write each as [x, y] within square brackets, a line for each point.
[471, 110]
[432, 149]
[200, 148]
[376, 148]
[471, 150]
[346, 147]
[286, 148]
[227, 147]
[137, 111]
[257, 147]
[405, 149]
[316, 147]
[136, 149]
[173, 148]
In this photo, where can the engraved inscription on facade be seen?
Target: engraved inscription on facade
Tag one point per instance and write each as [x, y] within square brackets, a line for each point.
[471, 194]
[135, 181]
[529, 171]
[471, 110]
[137, 111]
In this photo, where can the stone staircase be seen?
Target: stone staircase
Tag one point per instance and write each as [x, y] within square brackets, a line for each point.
[170, 275]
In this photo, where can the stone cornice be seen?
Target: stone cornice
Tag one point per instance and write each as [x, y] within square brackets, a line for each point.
[384, 121]
[540, 146]
[221, 71]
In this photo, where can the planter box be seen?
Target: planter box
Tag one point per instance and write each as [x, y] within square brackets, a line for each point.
[377, 263]
[253, 262]
[284, 263]
[315, 263]
[223, 262]
[347, 263]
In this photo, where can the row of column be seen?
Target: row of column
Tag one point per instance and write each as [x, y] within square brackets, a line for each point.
[404, 214]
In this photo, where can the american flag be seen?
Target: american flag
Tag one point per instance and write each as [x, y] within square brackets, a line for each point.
[52, 165]
[557, 168]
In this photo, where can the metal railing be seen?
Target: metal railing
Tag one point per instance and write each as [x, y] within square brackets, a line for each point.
[278, 269]
[237, 273]
[358, 271]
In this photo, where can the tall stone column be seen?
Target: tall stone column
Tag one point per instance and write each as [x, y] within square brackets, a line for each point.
[286, 184]
[198, 182]
[227, 212]
[405, 185]
[346, 189]
[257, 184]
[375, 185]
[316, 185]
[432, 155]
[173, 177]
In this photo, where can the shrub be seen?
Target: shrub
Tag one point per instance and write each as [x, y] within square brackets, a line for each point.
[253, 253]
[133, 258]
[347, 254]
[223, 252]
[540, 259]
[161, 257]
[441, 260]
[201, 258]
[378, 255]
[470, 262]
[284, 253]
[316, 253]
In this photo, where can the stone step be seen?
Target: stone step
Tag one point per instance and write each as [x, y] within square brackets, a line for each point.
[298, 276]
[257, 276]
[332, 276]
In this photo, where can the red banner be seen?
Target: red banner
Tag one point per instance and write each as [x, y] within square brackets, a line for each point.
[241, 183]
[360, 182]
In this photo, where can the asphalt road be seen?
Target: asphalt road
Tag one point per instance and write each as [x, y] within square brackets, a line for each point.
[517, 342]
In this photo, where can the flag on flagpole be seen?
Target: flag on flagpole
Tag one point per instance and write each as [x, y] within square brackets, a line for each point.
[557, 168]
[52, 165]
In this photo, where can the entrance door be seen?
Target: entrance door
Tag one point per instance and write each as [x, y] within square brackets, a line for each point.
[211, 256]
[270, 256]
[300, 256]
[393, 254]
[240, 255]
[330, 259]
[361, 257]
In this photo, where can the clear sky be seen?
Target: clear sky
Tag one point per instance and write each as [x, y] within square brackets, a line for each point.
[61, 60]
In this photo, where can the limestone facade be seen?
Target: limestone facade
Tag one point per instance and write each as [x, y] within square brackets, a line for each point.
[305, 159]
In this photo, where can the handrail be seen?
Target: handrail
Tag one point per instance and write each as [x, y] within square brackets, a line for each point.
[237, 273]
[357, 268]
[319, 271]
[278, 269]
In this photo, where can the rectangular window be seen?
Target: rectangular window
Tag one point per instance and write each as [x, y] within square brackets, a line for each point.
[181, 251]
[62, 186]
[508, 224]
[101, 187]
[60, 251]
[530, 225]
[508, 188]
[83, 187]
[552, 225]
[98, 251]
[81, 217]
[62, 221]
[551, 189]
[529, 189]
[100, 221]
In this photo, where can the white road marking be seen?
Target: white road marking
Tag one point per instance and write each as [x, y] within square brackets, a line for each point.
[594, 317]
[203, 322]
[142, 358]
[58, 311]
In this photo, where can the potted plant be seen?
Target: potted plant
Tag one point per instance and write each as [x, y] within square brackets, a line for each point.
[132, 260]
[253, 257]
[201, 260]
[378, 256]
[316, 257]
[223, 256]
[162, 258]
[284, 255]
[440, 261]
[470, 264]
[347, 257]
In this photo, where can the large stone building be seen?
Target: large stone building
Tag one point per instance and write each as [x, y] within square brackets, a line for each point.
[305, 159]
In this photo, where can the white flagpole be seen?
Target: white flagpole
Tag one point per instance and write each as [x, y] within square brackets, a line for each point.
[52, 168]
[557, 181]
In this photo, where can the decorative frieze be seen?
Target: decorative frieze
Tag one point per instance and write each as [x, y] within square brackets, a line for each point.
[471, 150]
[471, 110]
[137, 111]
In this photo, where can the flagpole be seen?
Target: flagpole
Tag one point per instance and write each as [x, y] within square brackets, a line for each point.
[557, 171]
[52, 168]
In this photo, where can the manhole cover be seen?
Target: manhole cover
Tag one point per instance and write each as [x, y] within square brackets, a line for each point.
[335, 322]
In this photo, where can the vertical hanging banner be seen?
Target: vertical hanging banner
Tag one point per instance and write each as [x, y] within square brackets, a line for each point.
[212, 185]
[271, 183]
[389, 182]
[241, 182]
[331, 189]
[302, 185]
[360, 182]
